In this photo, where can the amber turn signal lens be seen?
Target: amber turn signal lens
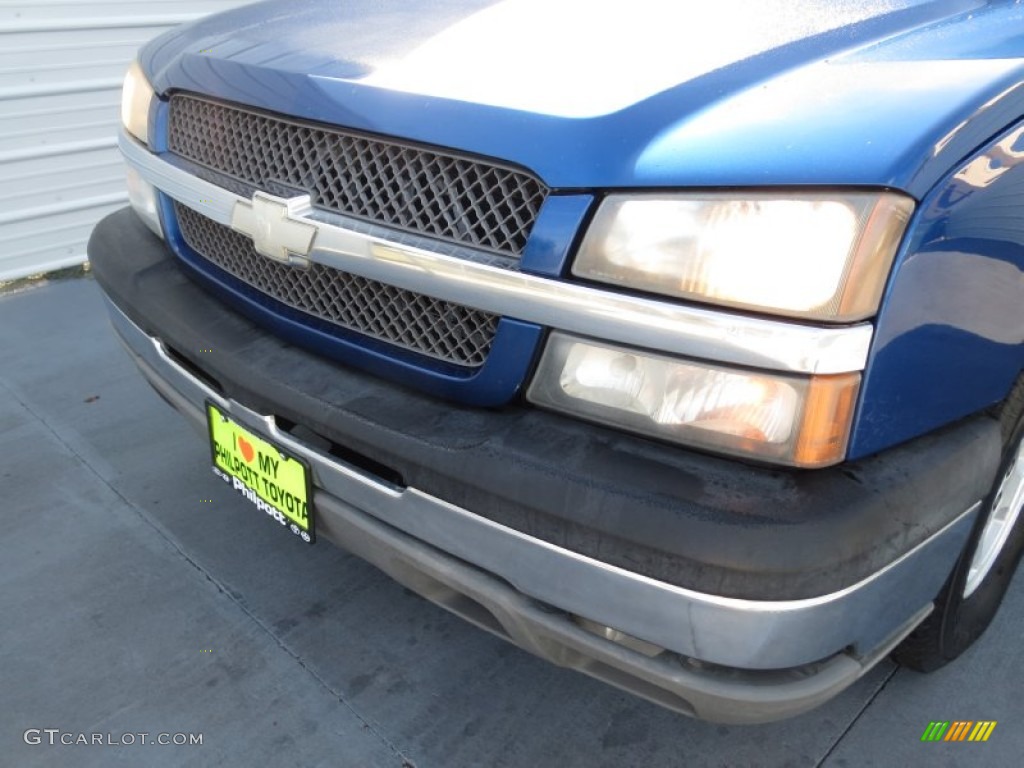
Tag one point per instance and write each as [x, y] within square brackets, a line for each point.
[827, 415]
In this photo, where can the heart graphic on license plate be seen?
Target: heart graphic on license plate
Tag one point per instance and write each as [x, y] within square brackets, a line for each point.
[247, 450]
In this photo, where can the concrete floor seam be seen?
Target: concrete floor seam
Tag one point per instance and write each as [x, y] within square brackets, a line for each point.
[853, 721]
[406, 762]
[228, 594]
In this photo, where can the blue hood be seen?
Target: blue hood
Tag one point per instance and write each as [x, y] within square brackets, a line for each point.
[593, 95]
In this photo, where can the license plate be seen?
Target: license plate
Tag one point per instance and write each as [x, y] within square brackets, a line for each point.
[275, 482]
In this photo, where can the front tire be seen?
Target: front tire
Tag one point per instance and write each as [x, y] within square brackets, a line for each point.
[972, 595]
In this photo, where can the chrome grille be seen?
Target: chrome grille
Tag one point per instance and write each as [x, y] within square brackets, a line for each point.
[439, 329]
[464, 200]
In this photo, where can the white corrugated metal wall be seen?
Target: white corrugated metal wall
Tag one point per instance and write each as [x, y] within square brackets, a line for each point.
[61, 64]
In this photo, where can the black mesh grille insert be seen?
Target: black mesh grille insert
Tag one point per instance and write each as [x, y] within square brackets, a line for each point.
[401, 185]
[440, 329]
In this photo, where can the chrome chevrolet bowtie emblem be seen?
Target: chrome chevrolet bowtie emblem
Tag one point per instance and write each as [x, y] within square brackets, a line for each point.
[274, 226]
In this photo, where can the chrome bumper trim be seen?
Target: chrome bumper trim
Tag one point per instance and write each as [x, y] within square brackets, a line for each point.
[748, 634]
[665, 326]
[718, 694]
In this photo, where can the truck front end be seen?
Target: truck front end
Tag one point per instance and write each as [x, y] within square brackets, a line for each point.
[640, 361]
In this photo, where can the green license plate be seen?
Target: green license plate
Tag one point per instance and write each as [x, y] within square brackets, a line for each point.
[275, 482]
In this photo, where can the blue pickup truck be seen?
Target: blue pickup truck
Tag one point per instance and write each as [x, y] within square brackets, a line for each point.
[680, 346]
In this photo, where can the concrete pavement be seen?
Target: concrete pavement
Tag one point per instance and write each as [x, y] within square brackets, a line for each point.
[138, 594]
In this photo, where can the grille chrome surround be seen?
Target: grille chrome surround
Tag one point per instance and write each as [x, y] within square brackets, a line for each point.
[536, 301]
[438, 329]
[427, 191]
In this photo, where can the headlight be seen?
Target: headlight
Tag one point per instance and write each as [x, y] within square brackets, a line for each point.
[800, 421]
[822, 256]
[136, 96]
